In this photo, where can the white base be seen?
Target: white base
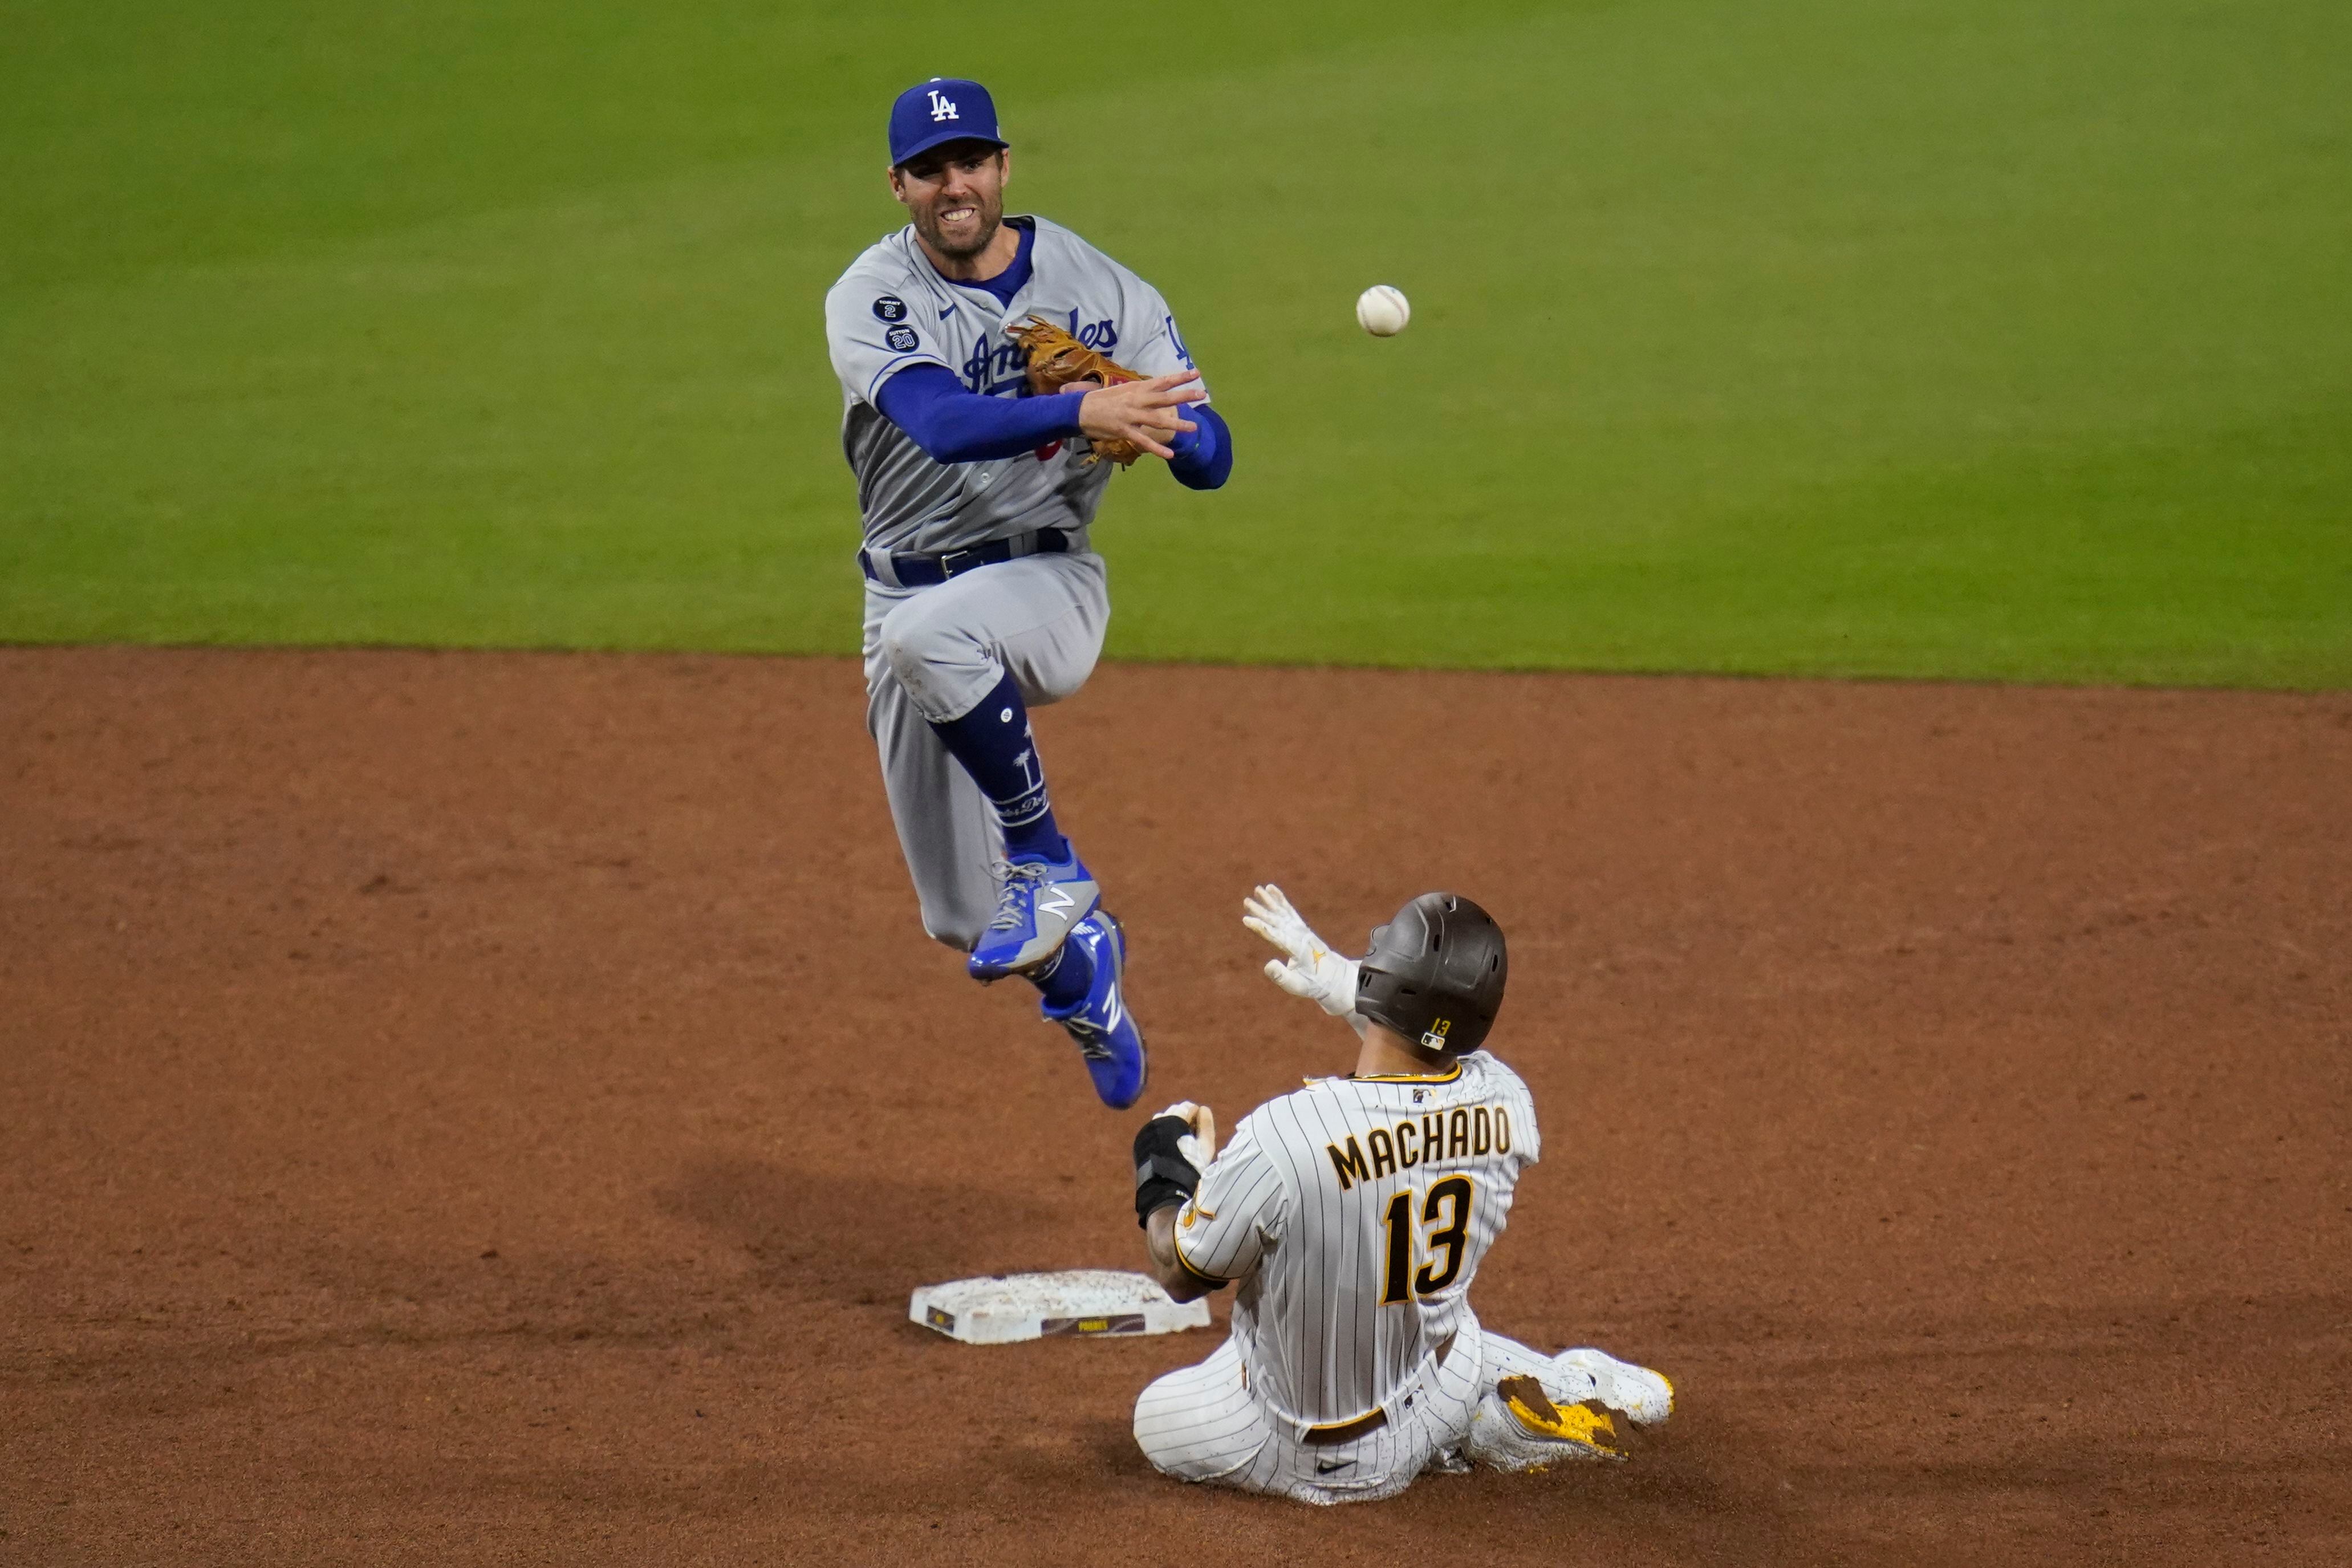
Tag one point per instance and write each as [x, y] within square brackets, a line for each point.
[1085, 1303]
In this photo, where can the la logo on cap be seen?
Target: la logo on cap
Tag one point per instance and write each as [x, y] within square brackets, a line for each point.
[943, 107]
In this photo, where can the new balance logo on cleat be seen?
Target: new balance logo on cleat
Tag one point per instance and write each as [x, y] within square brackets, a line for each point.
[1099, 1022]
[1037, 906]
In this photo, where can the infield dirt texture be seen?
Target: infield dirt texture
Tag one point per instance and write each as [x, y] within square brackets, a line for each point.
[493, 1107]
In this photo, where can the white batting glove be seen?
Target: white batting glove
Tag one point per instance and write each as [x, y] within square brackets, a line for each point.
[1312, 970]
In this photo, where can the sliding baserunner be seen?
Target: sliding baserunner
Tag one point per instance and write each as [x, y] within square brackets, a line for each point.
[1353, 1215]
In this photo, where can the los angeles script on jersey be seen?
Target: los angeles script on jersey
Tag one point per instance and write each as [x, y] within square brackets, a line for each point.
[999, 366]
[1461, 1133]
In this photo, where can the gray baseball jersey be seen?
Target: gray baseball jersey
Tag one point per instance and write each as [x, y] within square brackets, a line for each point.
[1354, 1213]
[892, 309]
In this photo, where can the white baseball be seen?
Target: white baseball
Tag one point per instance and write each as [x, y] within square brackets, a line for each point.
[1382, 310]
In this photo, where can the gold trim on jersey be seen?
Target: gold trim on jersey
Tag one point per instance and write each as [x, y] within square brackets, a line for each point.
[1347, 1431]
[1211, 1280]
[1406, 1077]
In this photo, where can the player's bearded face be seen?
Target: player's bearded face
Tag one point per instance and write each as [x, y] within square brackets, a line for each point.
[956, 197]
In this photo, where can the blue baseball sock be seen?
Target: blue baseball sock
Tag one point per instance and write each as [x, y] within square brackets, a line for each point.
[1066, 980]
[994, 744]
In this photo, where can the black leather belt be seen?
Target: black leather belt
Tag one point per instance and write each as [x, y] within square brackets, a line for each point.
[907, 570]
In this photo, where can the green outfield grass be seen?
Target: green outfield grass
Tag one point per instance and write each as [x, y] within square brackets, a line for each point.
[2006, 338]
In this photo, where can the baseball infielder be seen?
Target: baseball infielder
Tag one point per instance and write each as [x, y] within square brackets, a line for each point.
[1352, 1214]
[981, 596]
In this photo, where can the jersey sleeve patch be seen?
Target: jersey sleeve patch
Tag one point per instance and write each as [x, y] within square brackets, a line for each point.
[873, 329]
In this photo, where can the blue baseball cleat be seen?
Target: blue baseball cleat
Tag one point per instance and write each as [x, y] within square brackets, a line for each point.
[1106, 1031]
[1038, 905]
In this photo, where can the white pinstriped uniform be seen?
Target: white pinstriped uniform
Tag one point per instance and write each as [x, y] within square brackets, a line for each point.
[1353, 1213]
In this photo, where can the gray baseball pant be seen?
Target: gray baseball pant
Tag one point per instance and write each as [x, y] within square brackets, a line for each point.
[930, 655]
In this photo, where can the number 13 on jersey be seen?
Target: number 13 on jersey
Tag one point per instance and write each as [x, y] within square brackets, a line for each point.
[1445, 1213]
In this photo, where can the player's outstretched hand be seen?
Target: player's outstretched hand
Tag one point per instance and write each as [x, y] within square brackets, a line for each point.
[1145, 412]
[1312, 970]
[1200, 1146]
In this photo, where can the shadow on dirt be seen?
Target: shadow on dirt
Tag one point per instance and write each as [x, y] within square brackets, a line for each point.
[861, 1239]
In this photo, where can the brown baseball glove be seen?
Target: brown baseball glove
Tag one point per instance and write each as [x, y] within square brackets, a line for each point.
[1057, 360]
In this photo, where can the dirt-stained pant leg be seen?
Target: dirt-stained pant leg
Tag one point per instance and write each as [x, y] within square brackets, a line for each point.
[930, 654]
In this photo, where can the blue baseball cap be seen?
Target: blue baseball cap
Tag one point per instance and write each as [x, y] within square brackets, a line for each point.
[944, 108]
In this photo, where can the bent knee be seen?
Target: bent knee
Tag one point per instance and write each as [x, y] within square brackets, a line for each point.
[911, 644]
[1229, 1464]
[1041, 688]
[1191, 1441]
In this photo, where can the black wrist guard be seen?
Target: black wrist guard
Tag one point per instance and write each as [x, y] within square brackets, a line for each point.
[1163, 1177]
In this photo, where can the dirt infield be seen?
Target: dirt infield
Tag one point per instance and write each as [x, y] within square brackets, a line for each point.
[468, 1107]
